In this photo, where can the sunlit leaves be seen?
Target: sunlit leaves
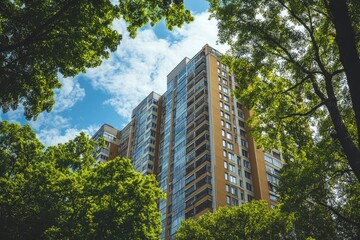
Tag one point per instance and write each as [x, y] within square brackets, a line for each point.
[62, 193]
[254, 220]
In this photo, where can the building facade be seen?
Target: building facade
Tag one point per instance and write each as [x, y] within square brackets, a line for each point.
[195, 140]
[111, 136]
[145, 127]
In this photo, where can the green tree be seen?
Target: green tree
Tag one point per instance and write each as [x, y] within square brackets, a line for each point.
[297, 69]
[42, 38]
[322, 192]
[297, 64]
[63, 193]
[254, 220]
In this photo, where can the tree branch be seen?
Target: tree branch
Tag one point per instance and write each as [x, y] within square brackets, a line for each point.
[311, 34]
[342, 133]
[317, 90]
[337, 213]
[337, 72]
[297, 84]
[268, 38]
[304, 114]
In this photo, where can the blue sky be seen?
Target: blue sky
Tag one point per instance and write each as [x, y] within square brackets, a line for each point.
[108, 93]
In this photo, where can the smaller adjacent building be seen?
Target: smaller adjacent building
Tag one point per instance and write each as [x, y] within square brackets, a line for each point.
[112, 139]
[145, 128]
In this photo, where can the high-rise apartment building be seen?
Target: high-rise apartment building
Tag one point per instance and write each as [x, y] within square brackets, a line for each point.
[207, 158]
[194, 139]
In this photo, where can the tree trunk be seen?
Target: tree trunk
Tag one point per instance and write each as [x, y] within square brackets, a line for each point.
[349, 57]
[350, 149]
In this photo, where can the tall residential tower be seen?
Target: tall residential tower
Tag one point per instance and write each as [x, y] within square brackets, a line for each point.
[195, 140]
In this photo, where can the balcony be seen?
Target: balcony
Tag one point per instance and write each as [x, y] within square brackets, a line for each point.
[197, 163]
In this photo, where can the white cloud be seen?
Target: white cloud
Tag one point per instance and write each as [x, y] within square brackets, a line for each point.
[69, 93]
[52, 128]
[48, 121]
[54, 136]
[141, 65]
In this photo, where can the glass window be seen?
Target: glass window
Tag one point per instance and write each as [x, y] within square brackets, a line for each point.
[246, 164]
[241, 123]
[231, 157]
[226, 98]
[247, 175]
[268, 159]
[272, 179]
[223, 133]
[227, 116]
[245, 153]
[272, 188]
[231, 167]
[277, 163]
[244, 143]
[225, 164]
[222, 123]
[225, 90]
[229, 136]
[242, 133]
[232, 179]
[234, 191]
[220, 95]
[226, 107]
[228, 199]
[221, 104]
[248, 186]
[224, 143]
[226, 176]
[220, 87]
[230, 146]
[227, 188]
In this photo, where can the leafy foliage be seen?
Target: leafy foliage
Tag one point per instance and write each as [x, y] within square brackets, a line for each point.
[291, 71]
[62, 193]
[322, 192]
[297, 67]
[40, 39]
[254, 220]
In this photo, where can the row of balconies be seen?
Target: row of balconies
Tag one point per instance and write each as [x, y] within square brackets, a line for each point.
[193, 200]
